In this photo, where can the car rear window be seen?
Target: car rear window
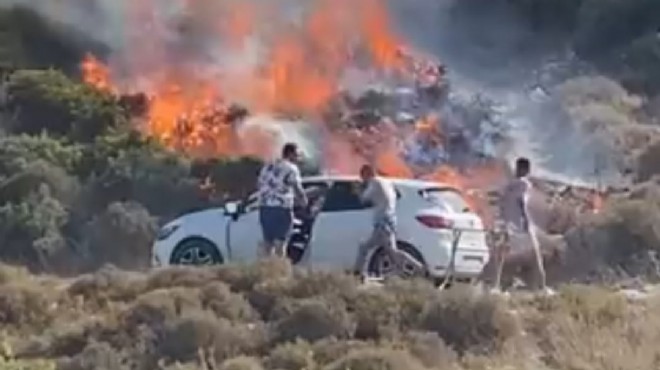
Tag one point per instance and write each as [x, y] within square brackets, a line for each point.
[447, 198]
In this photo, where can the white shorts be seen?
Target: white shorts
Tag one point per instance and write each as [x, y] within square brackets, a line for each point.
[520, 241]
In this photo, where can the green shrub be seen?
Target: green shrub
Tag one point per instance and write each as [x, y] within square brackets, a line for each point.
[49, 101]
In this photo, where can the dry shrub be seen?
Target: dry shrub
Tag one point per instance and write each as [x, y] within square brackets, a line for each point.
[184, 338]
[376, 359]
[291, 356]
[10, 274]
[276, 298]
[186, 366]
[243, 278]
[429, 348]
[96, 356]
[107, 284]
[159, 307]
[329, 350]
[591, 329]
[180, 276]
[241, 363]
[376, 313]
[467, 321]
[315, 319]
[217, 297]
[27, 364]
[267, 298]
[615, 241]
[25, 306]
[588, 304]
[412, 297]
[561, 217]
[65, 341]
[309, 284]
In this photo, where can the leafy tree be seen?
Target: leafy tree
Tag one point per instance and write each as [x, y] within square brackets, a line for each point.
[18, 151]
[47, 100]
[30, 229]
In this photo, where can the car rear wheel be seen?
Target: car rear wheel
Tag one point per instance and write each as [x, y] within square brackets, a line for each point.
[196, 252]
[381, 264]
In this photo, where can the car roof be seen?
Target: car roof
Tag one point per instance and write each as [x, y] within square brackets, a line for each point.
[412, 183]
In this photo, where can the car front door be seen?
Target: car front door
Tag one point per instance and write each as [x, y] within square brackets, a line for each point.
[344, 223]
[244, 233]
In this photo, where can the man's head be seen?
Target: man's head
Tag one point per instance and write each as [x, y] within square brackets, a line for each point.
[367, 172]
[523, 167]
[290, 152]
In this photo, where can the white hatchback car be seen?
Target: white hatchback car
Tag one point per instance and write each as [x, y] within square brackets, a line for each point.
[327, 233]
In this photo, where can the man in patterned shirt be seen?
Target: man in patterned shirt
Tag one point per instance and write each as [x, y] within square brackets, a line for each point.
[279, 188]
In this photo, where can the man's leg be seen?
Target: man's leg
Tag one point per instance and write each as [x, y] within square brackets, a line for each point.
[501, 251]
[363, 250]
[265, 247]
[278, 249]
[284, 225]
[538, 261]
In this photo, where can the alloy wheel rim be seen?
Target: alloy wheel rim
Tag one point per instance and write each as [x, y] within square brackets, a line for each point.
[195, 256]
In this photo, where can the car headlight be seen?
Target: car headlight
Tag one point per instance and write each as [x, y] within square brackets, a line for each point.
[166, 231]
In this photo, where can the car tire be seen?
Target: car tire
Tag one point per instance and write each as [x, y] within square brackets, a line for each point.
[379, 263]
[196, 252]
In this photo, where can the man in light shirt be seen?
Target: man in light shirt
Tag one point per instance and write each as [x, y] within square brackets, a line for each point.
[520, 230]
[280, 187]
[380, 193]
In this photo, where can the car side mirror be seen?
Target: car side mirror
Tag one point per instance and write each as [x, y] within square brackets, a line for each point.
[232, 210]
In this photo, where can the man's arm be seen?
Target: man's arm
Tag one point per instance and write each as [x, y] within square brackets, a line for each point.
[295, 181]
[366, 192]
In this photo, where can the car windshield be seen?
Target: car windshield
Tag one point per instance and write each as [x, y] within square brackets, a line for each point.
[449, 199]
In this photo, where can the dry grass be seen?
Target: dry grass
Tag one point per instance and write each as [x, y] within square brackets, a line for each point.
[268, 316]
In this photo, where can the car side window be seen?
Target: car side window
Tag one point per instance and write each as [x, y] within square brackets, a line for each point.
[341, 198]
[252, 203]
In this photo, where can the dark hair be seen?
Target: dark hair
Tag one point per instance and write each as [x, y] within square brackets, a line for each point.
[289, 149]
[367, 168]
[523, 163]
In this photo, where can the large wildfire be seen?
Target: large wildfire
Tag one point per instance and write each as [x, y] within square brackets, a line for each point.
[231, 61]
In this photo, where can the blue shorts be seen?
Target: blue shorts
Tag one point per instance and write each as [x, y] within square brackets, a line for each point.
[276, 223]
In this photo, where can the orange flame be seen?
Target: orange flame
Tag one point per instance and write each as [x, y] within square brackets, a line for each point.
[96, 74]
[304, 64]
[298, 72]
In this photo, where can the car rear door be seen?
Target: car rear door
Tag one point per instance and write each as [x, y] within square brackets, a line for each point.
[344, 223]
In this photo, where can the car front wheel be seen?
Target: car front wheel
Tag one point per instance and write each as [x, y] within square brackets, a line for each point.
[196, 252]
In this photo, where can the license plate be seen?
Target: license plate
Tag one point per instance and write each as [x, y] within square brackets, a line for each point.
[473, 258]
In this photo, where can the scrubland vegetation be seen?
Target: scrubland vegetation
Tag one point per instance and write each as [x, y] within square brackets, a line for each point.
[81, 190]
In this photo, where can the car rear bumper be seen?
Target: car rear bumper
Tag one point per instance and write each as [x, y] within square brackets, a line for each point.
[468, 263]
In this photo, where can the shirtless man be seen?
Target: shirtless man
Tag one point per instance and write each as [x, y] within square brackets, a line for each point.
[520, 233]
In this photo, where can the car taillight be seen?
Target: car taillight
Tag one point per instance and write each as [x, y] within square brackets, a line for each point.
[435, 222]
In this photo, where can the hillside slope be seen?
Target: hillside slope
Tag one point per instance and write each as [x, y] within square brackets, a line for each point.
[268, 316]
